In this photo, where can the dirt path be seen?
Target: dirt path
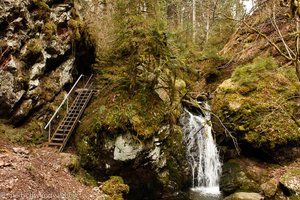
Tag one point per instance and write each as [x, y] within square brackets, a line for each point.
[39, 173]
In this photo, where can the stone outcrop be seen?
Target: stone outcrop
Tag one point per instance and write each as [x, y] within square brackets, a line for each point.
[245, 196]
[152, 168]
[255, 103]
[35, 54]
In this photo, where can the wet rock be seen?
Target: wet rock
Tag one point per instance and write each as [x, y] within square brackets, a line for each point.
[245, 196]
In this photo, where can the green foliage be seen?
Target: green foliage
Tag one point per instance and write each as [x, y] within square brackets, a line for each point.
[258, 104]
[141, 114]
[251, 74]
[115, 187]
[85, 178]
[142, 44]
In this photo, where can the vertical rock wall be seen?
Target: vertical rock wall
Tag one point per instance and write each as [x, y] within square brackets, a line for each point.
[36, 59]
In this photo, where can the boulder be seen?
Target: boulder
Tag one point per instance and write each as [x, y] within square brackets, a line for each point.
[151, 168]
[270, 188]
[255, 102]
[245, 196]
[241, 175]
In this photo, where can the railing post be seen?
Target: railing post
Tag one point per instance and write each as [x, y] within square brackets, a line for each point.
[49, 134]
[67, 104]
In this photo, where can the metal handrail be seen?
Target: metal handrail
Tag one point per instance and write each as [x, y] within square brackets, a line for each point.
[66, 97]
[88, 81]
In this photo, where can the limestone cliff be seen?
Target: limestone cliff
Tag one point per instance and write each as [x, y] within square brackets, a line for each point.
[36, 60]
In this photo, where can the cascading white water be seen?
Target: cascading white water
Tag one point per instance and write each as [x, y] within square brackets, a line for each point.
[202, 152]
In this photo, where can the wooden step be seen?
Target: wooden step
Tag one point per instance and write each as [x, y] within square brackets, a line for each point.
[54, 144]
[58, 139]
[58, 135]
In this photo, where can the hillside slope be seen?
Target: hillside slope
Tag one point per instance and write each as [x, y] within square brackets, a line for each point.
[40, 173]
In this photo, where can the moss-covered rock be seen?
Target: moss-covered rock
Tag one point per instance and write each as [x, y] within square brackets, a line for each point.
[255, 103]
[115, 188]
[290, 181]
[50, 29]
[237, 176]
[270, 188]
[130, 136]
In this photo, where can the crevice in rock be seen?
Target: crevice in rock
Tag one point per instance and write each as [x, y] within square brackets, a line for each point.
[85, 57]
[261, 154]
[285, 190]
[54, 62]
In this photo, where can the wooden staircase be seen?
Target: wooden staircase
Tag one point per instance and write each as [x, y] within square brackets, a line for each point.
[63, 132]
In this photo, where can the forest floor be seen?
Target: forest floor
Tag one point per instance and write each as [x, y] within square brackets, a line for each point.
[39, 173]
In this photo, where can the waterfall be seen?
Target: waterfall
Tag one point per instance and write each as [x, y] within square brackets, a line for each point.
[202, 152]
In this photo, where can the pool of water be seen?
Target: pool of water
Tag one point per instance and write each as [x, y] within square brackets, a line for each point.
[201, 193]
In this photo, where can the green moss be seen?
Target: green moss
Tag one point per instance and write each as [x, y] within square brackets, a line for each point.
[141, 114]
[41, 4]
[250, 74]
[115, 188]
[31, 133]
[76, 26]
[257, 101]
[34, 46]
[85, 178]
[50, 29]
[210, 62]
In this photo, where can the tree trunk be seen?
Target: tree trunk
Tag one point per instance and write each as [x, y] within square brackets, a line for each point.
[194, 20]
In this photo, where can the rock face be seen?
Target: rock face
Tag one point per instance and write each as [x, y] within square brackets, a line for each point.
[151, 168]
[126, 148]
[35, 54]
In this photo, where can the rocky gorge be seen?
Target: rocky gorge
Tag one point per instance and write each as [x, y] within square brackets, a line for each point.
[130, 141]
